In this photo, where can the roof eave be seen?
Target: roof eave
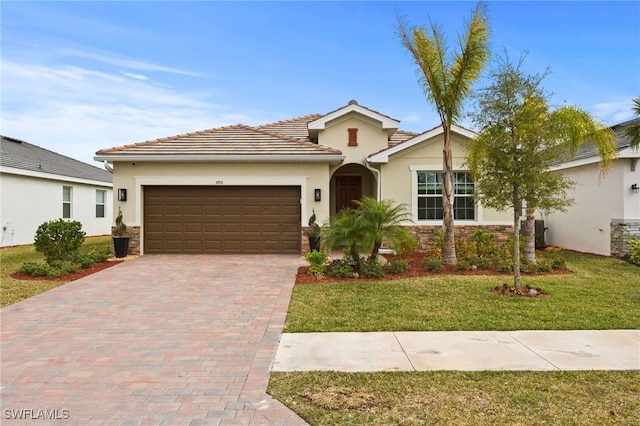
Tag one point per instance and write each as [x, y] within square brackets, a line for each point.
[235, 158]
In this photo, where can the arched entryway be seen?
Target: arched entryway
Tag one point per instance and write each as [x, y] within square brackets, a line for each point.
[351, 182]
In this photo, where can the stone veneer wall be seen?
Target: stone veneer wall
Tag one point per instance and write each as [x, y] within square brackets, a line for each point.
[621, 233]
[133, 232]
[426, 234]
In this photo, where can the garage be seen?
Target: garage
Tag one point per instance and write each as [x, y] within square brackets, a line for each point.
[221, 219]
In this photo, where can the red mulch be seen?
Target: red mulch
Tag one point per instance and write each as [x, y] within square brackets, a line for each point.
[416, 270]
[69, 277]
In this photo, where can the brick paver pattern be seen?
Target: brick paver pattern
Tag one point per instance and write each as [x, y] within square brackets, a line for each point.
[162, 339]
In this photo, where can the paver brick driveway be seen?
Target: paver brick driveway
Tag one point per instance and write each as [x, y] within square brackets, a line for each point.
[162, 339]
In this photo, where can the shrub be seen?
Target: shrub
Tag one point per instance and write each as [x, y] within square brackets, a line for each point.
[36, 269]
[56, 269]
[404, 243]
[371, 269]
[398, 266]
[340, 268]
[433, 264]
[635, 251]
[317, 263]
[59, 240]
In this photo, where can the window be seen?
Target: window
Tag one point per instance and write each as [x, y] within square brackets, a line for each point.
[430, 196]
[100, 197]
[66, 202]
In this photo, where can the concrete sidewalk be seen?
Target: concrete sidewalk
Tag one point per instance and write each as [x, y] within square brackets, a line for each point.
[460, 350]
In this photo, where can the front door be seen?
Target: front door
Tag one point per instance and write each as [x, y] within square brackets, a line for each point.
[348, 189]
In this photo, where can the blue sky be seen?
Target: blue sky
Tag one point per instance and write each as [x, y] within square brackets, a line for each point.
[81, 76]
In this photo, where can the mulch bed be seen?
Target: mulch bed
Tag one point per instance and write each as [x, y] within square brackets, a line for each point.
[70, 277]
[416, 270]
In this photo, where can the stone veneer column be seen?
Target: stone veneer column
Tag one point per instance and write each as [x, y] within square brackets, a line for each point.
[133, 232]
[621, 232]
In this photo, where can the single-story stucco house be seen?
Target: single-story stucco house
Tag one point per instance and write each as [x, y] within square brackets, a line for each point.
[606, 211]
[38, 185]
[242, 189]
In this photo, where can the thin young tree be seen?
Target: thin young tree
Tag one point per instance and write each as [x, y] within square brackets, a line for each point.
[520, 138]
[446, 80]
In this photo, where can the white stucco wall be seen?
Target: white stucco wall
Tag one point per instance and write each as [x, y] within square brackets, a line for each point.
[586, 226]
[27, 201]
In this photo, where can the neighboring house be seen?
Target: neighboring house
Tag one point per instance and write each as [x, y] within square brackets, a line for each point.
[606, 211]
[38, 185]
[252, 189]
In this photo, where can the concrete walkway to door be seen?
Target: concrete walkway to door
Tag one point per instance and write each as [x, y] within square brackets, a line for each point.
[163, 339]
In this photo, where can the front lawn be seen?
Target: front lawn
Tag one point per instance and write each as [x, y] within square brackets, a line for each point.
[461, 398]
[600, 293]
[13, 290]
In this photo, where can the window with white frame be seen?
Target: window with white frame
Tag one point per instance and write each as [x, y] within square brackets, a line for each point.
[430, 196]
[66, 202]
[100, 206]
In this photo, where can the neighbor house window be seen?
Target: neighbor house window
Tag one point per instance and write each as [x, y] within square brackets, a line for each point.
[430, 196]
[100, 197]
[66, 202]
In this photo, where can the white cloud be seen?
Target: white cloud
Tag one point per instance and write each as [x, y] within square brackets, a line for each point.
[136, 76]
[615, 110]
[77, 111]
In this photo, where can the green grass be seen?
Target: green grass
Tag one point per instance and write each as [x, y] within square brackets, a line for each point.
[600, 293]
[461, 398]
[12, 290]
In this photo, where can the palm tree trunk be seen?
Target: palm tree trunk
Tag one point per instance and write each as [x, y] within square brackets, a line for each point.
[530, 235]
[449, 249]
[517, 281]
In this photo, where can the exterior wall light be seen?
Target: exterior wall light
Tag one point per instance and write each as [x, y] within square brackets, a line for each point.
[317, 194]
[122, 194]
[635, 187]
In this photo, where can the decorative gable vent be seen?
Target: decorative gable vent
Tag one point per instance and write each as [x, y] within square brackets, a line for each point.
[353, 137]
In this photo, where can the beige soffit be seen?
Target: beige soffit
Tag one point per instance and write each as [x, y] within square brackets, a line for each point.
[383, 156]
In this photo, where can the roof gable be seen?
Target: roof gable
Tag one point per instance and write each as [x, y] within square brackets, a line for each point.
[386, 122]
[18, 154]
[383, 156]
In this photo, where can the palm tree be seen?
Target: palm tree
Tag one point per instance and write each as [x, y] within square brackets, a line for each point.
[379, 220]
[566, 130]
[447, 81]
[633, 131]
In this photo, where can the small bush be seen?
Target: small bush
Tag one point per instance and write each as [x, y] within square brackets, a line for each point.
[404, 243]
[398, 266]
[59, 240]
[371, 269]
[462, 264]
[433, 264]
[317, 263]
[56, 269]
[635, 251]
[340, 268]
[36, 269]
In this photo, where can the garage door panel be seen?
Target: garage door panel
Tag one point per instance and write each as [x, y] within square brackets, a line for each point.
[219, 219]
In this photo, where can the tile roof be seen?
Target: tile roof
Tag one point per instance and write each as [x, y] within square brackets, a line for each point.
[234, 140]
[287, 138]
[22, 155]
[294, 128]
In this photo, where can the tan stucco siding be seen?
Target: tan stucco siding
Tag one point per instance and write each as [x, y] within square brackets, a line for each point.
[308, 176]
[399, 182]
[371, 137]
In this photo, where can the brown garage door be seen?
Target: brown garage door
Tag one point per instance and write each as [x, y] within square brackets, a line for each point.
[221, 219]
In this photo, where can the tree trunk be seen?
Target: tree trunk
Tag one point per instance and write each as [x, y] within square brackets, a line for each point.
[355, 256]
[530, 235]
[517, 281]
[449, 249]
